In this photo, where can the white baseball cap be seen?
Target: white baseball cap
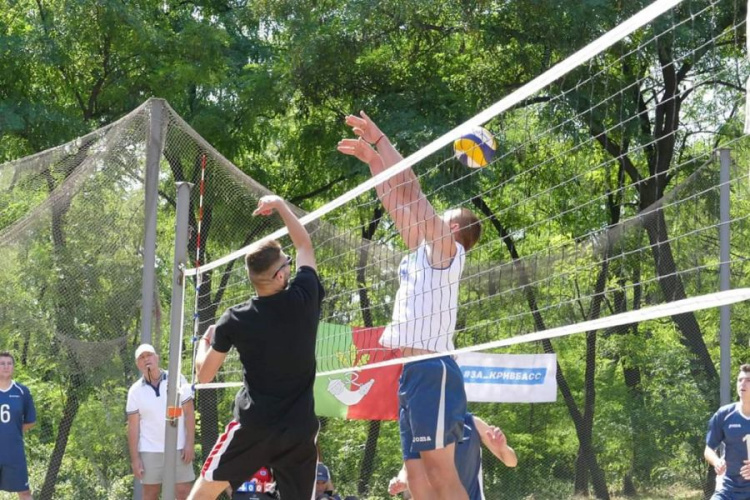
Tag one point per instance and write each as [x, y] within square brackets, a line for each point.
[144, 348]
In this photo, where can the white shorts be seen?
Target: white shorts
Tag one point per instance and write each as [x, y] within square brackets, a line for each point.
[153, 469]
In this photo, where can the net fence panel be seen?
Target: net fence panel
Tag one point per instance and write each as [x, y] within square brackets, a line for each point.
[71, 237]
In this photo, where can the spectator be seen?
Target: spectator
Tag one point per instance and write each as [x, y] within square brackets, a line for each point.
[147, 418]
[324, 485]
[17, 415]
[730, 426]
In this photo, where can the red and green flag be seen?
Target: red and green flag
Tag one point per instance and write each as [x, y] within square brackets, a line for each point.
[362, 394]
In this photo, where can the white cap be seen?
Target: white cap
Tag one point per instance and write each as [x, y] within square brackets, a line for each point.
[144, 348]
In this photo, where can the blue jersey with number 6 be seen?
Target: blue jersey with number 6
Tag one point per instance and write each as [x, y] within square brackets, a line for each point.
[731, 427]
[16, 409]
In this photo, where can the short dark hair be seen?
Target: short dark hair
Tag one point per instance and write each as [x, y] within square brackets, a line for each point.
[261, 257]
[6, 354]
[745, 368]
[469, 228]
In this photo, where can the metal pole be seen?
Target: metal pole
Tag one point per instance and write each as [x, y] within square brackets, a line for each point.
[724, 284]
[154, 146]
[175, 339]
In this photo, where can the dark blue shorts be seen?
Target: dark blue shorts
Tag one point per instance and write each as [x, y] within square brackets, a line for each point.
[726, 494]
[432, 405]
[14, 477]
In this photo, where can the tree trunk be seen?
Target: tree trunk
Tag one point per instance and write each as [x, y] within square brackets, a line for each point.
[587, 453]
[72, 404]
[581, 479]
[672, 288]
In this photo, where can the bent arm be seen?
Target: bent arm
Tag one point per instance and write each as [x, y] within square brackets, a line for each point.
[299, 236]
[495, 441]
[297, 232]
[714, 460]
[28, 426]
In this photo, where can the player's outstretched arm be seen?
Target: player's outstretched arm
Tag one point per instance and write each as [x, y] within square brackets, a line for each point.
[423, 223]
[297, 232]
[495, 441]
[390, 197]
[207, 360]
[405, 182]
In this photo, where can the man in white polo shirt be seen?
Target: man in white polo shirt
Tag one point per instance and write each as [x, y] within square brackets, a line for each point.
[147, 417]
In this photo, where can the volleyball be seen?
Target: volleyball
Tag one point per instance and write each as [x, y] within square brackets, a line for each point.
[476, 148]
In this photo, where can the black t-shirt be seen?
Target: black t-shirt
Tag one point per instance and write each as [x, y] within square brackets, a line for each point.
[275, 338]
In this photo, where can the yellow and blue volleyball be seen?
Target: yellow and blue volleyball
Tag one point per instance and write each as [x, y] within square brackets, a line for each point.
[475, 149]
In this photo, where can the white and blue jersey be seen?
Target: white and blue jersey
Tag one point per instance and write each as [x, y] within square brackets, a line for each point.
[426, 304]
[729, 426]
[468, 459]
[16, 409]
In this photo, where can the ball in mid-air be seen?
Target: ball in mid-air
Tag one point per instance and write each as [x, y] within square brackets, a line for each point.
[475, 149]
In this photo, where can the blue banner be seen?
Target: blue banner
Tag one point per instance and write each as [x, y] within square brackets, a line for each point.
[497, 375]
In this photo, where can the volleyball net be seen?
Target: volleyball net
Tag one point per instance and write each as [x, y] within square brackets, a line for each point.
[601, 216]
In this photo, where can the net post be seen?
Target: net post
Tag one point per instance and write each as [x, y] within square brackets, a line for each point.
[175, 334]
[154, 147]
[725, 363]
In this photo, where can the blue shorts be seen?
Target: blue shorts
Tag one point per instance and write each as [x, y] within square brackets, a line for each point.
[726, 494]
[14, 477]
[432, 405]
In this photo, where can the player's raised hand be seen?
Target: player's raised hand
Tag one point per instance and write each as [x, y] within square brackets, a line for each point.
[358, 148]
[267, 204]
[364, 127]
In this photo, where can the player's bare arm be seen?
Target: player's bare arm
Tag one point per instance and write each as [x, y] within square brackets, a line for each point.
[297, 232]
[207, 360]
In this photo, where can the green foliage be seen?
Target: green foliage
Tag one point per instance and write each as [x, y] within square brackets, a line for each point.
[268, 83]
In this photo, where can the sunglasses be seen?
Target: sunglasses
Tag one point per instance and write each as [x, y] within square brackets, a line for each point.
[287, 262]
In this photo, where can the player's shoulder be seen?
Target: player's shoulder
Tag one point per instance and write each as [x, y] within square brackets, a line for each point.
[306, 273]
[727, 411]
[21, 387]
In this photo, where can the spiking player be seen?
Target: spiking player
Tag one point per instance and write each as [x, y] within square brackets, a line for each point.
[432, 399]
[274, 333]
[17, 415]
[730, 425]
